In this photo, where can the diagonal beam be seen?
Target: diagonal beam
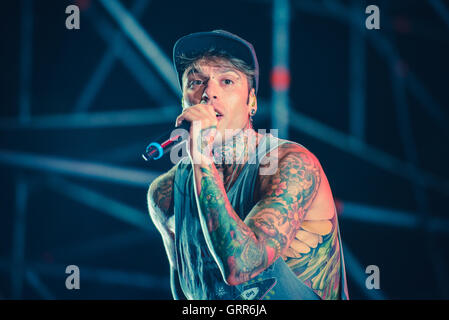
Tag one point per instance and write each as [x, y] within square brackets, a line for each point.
[441, 10]
[35, 281]
[135, 64]
[143, 41]
[106, 63]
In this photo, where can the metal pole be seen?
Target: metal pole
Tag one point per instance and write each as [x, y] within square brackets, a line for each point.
[280, 72]
[103, 204]
[85, 169]
[19, 237]
[26, 47]
[357, 79]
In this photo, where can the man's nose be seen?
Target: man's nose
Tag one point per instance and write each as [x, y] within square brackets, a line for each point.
[210, 92]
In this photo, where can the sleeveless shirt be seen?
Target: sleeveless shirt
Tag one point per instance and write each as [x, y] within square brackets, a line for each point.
[199, 275]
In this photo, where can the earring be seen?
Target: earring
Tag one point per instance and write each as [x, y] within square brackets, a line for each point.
[253, 112]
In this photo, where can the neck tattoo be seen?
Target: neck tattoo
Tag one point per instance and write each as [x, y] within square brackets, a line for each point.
[231, 155]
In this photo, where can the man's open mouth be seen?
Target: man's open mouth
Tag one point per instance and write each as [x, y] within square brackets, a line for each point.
[219, 116]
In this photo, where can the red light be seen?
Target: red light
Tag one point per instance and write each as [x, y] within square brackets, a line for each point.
[280, 78]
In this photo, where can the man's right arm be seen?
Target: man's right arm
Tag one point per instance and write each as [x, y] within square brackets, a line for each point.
[160, 207]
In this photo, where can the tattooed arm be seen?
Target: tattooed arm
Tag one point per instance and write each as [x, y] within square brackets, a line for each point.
[243, 249]
[160, 207]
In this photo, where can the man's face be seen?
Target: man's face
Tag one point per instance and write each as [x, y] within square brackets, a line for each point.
[223, 87]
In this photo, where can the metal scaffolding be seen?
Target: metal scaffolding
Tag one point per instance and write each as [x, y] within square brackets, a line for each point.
[141, 55]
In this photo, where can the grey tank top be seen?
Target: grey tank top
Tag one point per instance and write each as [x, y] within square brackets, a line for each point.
[199, 275]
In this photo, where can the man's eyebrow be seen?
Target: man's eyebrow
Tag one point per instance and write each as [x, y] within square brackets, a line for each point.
[192, 71]
[226, 70]
[222, 70]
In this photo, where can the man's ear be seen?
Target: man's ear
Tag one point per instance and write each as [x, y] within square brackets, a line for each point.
[252, 100]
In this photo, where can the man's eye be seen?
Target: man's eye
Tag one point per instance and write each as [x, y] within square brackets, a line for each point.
[228, 81]
[196, 83]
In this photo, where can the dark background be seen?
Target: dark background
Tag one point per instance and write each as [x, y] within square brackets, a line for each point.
[391, 183]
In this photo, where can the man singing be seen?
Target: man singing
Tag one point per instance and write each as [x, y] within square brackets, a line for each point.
[246, 215]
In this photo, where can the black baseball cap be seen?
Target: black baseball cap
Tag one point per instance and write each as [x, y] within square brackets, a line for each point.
[195, 44]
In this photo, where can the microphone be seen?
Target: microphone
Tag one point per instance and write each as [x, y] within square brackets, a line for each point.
[165, 142]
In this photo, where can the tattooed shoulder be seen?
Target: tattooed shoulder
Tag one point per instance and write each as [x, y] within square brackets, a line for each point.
[160, 195]
[287, 156]
[314, 252]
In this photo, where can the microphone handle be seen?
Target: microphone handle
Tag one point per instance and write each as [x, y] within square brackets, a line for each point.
[164, 143]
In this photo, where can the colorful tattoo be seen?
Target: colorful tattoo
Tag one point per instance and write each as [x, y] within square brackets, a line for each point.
[314, 256]
[244, 249]
[160, 207]
[236, 147]
[161, 192]
[205, 141]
